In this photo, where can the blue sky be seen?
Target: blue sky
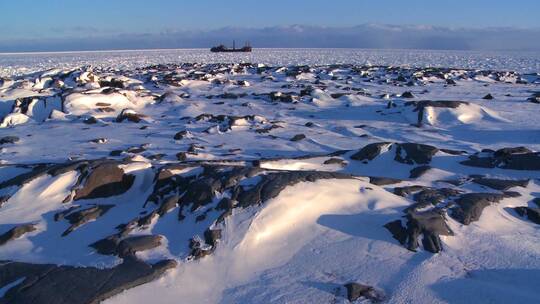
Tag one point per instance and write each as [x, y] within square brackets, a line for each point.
[24, 20]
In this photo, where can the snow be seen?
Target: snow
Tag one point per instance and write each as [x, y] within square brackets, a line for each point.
[267, 239]
[14, 119]
[304, 244]
[80, 104]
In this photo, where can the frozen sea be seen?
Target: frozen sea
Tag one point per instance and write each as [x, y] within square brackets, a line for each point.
[22, 63]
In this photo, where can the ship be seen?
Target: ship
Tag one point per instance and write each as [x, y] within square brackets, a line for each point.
[223, 49]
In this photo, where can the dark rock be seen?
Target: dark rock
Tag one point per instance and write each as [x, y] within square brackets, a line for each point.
[211, 236]
[113, 83]
[267, 129]
[369, 152]
[431, 224]
[415, 153]
[334, 161]
[53, 284]
[534, 100]
[504, 152]
[116, 152]
[131, 245]
[431, 197]
[180, 135]
[90, 120]
[157, 156]
[383, 181]
[107, 246]
[488, 97]
[407, 94]
[129, 115]
[528, 161]
[168, 205]
[228, 95]
[99, 140]
[181, 156]
[507, 158]
[306, 91]
[16, 232]
[452, 104]
[419, 171]
[283, 97]
[273, 183]
[225, 204]
[137, 149]
[511, 194]
[200, 192]
[404, 191]
[62, 214]
[4, 199]
[79, 218]
[533, 214]
[356, 291]
[105, 180]
[397, 230]
[401, 78]
[198, 250]
[469, 206]
[500, 184]
[298, 137]
[453, 152]
[8, 140]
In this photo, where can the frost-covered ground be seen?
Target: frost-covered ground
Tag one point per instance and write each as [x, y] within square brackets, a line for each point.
[132, 182]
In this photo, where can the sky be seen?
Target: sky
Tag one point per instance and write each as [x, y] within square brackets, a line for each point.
[30, 25]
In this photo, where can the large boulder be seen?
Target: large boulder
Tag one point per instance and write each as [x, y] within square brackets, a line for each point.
[105, 180]
[469, 206]
[53, 284]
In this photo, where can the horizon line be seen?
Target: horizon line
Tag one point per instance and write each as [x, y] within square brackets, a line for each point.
[262, 48]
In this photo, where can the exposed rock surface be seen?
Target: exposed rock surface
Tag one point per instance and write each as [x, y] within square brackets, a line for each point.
[370, 151]
[500, 184]
[383, 181]
[411, 153]
[8, 140]
[16, 232]
[52, 284]
[532, 213]
[107, 179]
[469, 206]
[431, 224]
[419, 171]
[356, 291]
[131, 245]
[519, 158]
[79, 218]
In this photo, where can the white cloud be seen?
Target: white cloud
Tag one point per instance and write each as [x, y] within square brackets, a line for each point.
[361, 36]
